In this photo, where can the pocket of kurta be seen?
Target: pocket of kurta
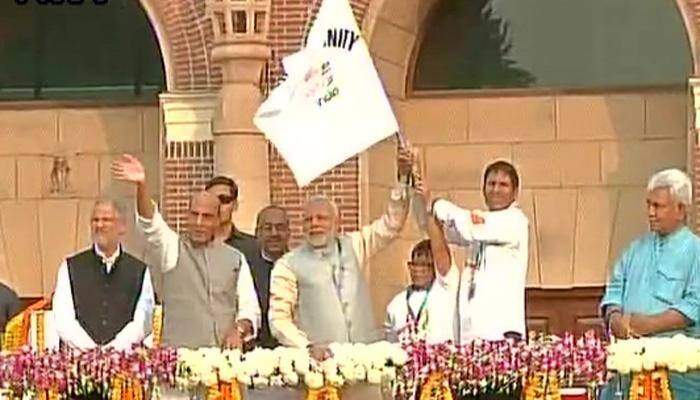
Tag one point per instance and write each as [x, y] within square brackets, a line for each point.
[669, 288]
[224, 286]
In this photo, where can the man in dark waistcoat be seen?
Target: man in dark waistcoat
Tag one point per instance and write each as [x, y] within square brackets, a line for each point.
[272, 233]
[104, 296]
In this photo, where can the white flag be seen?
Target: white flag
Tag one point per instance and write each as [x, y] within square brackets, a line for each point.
[332, 104]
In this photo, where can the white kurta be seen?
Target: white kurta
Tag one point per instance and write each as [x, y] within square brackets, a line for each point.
[437, 316]
[498, 302]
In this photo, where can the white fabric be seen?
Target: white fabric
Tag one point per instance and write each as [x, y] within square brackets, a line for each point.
[71, 332]
[107, 260]
[439, 312]
[331, 101]
[498, 305]
[163, 244]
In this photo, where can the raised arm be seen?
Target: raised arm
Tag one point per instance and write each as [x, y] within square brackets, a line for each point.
[129, 169]
[461, 225]
[161, 239]
[442, 256]
[375, 236]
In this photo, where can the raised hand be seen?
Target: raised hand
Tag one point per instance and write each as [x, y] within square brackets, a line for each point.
[405, 158]
[128, 169]
[320, 352]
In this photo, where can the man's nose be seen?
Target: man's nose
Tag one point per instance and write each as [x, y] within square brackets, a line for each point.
[199, 219]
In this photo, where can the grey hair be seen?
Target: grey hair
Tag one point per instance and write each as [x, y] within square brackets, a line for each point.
[117, 205]
[320, 198]
[677, 182]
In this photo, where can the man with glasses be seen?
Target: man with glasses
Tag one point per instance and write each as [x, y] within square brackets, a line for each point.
[422, 310]
[226, 190]
[272, 233]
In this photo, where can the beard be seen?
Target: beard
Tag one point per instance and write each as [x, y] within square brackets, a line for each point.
[319, 240]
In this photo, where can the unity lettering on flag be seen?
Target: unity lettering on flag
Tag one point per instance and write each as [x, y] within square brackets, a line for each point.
[332, 104]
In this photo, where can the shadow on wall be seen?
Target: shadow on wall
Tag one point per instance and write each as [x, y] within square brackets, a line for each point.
[486, 45]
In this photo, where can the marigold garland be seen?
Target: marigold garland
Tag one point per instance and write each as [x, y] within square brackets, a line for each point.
[224, 391]
[652, 385]
[327, 392]
[157, 325]
[213, 392]
[40, 336]
[542, 386]
[17, 329]
[436, 387]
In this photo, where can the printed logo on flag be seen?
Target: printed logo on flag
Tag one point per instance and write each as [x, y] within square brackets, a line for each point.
[318, 84]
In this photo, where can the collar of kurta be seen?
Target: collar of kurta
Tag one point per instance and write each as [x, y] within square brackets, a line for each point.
[329, 250]
[266, 257]
[680, 232]
[110, 261]
[514, 204]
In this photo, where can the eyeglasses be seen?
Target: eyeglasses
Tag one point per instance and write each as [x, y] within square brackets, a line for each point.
[225, 199]
[412, 264]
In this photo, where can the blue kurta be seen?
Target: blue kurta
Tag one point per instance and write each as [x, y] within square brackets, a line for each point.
[655, 274]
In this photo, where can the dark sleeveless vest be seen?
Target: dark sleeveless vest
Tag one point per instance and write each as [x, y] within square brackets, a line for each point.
[104, 303]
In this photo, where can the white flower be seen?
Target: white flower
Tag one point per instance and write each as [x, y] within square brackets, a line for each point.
[291, 379]
[276, 380]
[302, 362]
[360, 374]
[374, 376]
[348, 371]
[389, 373]
[286, 366]
[335, 380]
[314, 380]
[260, 382]
[227, 373]
[244, 379]
[329, 367]
[210, 378]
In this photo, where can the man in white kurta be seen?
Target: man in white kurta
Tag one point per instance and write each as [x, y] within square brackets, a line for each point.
[491, 300]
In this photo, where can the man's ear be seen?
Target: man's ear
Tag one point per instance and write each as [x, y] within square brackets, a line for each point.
[122, 228]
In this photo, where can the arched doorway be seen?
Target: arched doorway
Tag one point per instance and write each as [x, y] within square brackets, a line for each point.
[78, 87]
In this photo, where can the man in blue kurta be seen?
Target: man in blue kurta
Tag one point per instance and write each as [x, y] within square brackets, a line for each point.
[655, 286]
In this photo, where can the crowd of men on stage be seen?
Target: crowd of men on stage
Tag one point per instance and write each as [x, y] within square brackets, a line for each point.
[223, 287]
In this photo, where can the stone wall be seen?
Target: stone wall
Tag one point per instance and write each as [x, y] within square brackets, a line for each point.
[38, 227]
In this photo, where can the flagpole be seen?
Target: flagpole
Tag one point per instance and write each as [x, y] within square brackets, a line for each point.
[418, 204]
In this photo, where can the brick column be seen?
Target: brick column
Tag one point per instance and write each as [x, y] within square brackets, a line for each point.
[241, 150]
[188, 152]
